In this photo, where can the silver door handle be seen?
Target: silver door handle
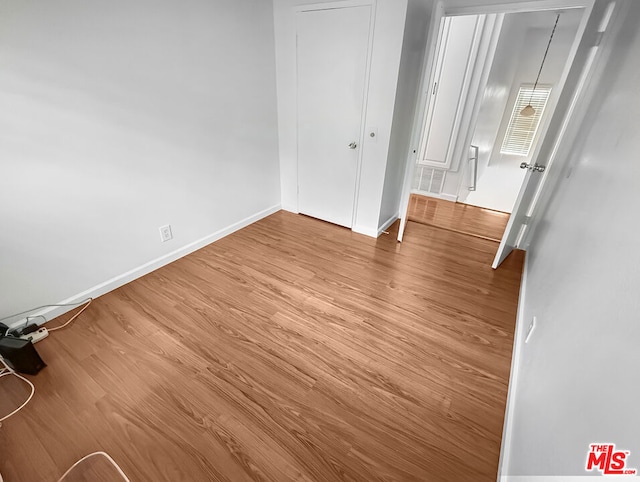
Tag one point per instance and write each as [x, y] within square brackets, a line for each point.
[474, 168]
[353, 145]
[534, 167]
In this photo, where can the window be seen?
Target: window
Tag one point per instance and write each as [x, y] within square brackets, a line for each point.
[521, 130]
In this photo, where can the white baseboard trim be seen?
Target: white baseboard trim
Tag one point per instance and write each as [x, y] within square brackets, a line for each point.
[388, 223]
[375, 233]
[442, 195]
[146, 268]
[518, 340]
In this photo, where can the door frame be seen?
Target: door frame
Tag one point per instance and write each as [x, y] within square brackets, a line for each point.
[429, 66]
[427, 74]
[334, 5]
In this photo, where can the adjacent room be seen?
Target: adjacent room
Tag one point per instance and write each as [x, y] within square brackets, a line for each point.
[218, 260]
[476, 140]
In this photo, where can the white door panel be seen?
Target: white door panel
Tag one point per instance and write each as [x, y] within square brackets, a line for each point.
[332, 52]
[449, 89]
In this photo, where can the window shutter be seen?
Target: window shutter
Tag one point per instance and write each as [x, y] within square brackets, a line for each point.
[522, 130]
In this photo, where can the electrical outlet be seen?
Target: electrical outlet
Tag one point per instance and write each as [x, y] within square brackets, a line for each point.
[530, 329]
[165, 233]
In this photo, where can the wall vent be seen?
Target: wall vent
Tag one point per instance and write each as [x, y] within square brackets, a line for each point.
[429, 179]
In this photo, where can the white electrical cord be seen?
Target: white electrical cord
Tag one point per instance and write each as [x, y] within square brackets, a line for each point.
[104, 454]
[86, 302]
[7, 370]
[46, 306]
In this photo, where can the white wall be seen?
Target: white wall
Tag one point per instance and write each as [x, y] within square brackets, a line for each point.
[385, 63]
[413, 50]
[118, 117]
[577, 381]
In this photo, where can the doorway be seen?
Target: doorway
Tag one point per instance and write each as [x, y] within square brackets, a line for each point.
[502, 138]
[577, 68]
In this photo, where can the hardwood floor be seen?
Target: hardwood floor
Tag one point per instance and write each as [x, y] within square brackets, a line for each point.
[292, 350]
[457, 217]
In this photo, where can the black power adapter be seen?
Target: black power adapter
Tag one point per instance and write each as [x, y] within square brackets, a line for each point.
[27, 329]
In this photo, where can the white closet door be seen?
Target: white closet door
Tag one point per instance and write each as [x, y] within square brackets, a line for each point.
[332, 51]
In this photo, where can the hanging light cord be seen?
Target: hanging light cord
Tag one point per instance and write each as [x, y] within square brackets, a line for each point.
[544, 58]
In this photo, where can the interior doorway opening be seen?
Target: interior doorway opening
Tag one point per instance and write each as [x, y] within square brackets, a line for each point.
[502, 55]
[520, 49]
[481, 114]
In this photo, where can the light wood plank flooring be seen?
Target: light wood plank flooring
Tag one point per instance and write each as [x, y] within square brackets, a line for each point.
[457, 217]
[292, 350]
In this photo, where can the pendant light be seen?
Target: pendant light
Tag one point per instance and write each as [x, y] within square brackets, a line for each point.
[528, 110]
